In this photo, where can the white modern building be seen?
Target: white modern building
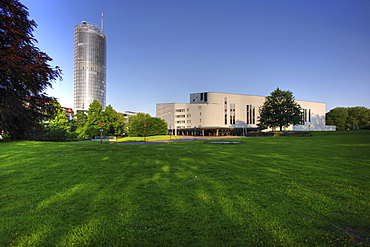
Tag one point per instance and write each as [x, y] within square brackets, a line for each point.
[215, 114]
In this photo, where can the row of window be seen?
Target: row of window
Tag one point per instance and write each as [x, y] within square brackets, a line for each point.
[183, 121]
[183, 116]
[250, 114]
[188, 109]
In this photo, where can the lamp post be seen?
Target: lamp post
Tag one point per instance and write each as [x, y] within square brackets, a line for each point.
[101, 132]
[47, 126]
[170, 131]
[144, 132]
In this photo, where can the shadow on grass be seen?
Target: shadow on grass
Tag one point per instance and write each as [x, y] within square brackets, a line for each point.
[265, 192]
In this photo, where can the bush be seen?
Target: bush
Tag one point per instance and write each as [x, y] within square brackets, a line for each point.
[57, 134]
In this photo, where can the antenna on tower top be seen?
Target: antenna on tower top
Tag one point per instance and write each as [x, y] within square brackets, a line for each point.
[102, 20]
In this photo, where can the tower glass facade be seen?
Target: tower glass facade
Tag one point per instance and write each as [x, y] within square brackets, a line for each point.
[89, 65]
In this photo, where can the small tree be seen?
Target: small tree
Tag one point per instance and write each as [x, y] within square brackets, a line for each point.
[59, 126]
[94, 117]
[79, 122]
[279, 110]
[59, 117]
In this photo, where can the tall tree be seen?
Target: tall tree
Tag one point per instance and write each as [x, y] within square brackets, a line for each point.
[279, 110]
[24, 72]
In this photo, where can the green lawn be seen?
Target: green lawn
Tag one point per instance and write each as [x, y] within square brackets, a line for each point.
[269, 191]
[149, 138]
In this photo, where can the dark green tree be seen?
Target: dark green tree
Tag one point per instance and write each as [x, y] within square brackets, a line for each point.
[338, 117]
[345, 118]
[24, 73]
[358, 117]
[279, 110]
[134, 122]
[156, 126]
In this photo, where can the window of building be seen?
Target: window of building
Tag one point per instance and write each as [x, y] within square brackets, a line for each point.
[189, 115]
[306, 115]
[225, 109]
[180, 110]
[180, 116]
[203, 97]
[232, 113]
[251, 114]
[179, 122]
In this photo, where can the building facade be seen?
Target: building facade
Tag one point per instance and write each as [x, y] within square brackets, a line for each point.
[217, 114]
[89, 65]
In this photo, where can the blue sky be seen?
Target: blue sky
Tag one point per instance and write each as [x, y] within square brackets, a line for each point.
[160, 51]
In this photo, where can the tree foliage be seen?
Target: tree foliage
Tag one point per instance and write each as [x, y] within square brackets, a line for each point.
[89, 123]
[279, 110]
[113, 124]
[349, 117]
[57, 126]
[58, 118]
[24, 73]
[153, 126]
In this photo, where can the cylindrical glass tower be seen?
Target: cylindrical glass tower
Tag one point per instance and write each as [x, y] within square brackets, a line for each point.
[89, 65]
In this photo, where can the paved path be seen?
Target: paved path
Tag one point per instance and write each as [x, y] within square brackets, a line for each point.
[183, 139]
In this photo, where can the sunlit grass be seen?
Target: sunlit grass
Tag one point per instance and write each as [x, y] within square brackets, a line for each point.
[149, 138]
[269, 191]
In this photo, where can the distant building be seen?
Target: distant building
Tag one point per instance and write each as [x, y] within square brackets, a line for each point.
[69, 112]
[216, 114]
[128, 114]
[89, 65]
